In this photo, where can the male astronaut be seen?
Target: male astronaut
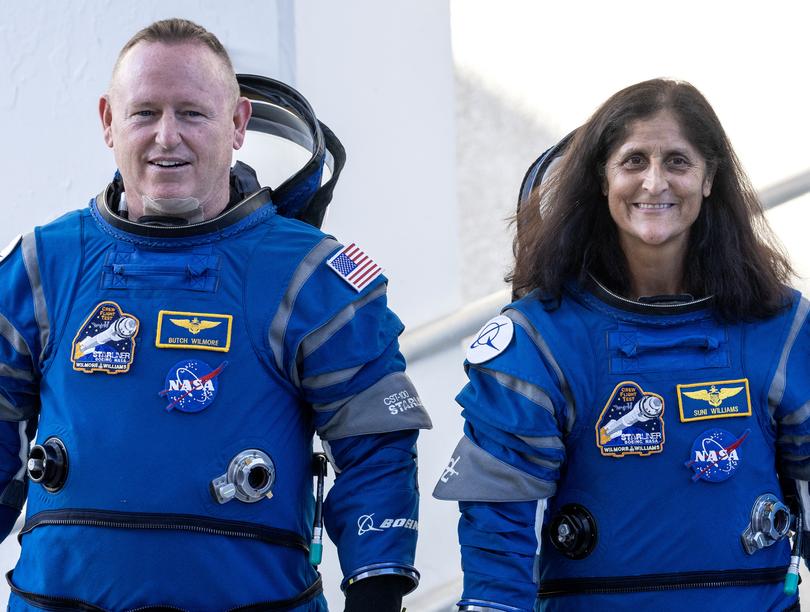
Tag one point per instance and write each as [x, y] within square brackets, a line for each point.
[176, 344]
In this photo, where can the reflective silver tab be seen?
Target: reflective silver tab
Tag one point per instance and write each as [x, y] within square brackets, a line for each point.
[475, 475]
[22, 432]
[31, 262]
[804, 498]
[278, 326]
[541, 344]
[474, 605]
[14, 493]
[390, 404]
[371, 571]
[777, 389]
[539, 515]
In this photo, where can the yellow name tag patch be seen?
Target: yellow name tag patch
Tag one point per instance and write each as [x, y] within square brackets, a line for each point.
[719, 399]
[202, 331]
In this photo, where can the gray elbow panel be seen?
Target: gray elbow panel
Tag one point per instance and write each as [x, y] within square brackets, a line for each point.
[475, 475]
[391, 404]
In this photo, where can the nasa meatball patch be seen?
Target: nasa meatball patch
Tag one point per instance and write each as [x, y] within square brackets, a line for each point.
[491, 340]
[716, 455]
[191, 385]
[106, 341]
[631, 423]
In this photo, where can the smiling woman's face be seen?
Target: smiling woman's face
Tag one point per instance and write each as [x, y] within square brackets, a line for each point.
[655, 182]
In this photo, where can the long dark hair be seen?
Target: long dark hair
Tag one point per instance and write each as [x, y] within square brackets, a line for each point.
[565, 231]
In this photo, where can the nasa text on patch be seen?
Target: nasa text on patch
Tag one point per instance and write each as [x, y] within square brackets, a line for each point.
[631, 423]
[202, 331]
[106, 341]
[717, 399]
[491, 340]
[716, 455]
[191, 385]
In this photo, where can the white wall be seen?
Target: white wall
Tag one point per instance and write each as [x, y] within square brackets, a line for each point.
[380, 75]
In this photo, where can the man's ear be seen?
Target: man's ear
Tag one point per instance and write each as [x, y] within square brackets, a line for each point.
[241, 116]
[105, 112]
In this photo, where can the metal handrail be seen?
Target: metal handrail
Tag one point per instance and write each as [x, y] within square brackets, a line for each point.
[441, 333]
[445, 331]
[785, 190]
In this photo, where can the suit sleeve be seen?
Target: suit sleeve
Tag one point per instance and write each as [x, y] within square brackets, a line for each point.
[23, 333]
[340, 349]
[505, 467]
[789, 403]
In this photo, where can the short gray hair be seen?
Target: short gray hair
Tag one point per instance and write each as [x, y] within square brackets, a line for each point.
[176, 31]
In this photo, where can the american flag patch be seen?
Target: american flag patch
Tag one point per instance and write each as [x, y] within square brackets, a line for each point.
[354, 266]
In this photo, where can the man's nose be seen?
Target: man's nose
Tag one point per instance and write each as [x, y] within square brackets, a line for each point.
[168, 131]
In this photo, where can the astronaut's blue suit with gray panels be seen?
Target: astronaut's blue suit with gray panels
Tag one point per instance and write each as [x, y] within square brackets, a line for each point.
[621, 455]
[175, 378]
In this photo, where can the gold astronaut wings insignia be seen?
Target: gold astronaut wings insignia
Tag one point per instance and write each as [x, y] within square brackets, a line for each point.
[195, 326]
[712, 395]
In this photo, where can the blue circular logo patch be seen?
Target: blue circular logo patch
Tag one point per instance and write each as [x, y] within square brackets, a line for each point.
[716, 455]
[191, 385]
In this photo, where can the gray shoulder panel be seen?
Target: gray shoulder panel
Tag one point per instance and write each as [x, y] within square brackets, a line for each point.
[475, 475]
[531, 392]
[278, 326]
[519, 318]
[14, 338]
[777, 388]
[391, 404]
[317, 338]
[31, 262]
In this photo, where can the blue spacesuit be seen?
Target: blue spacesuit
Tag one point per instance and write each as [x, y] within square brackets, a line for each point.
[628, 455]
[175, 377]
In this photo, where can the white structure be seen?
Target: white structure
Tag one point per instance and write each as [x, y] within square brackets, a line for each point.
[439, 129]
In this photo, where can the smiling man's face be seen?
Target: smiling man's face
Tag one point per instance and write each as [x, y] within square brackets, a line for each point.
[173, 119]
